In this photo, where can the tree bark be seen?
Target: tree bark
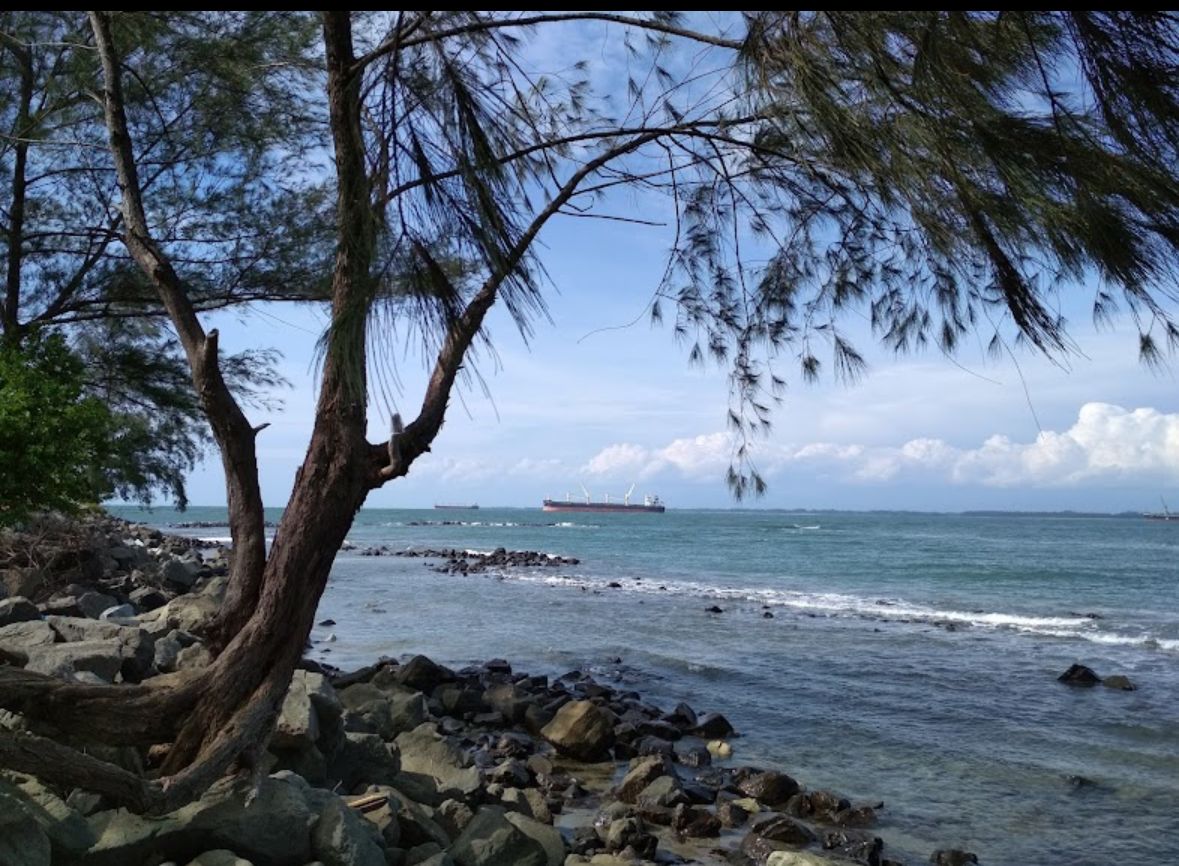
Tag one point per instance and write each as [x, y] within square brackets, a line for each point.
[16, 211]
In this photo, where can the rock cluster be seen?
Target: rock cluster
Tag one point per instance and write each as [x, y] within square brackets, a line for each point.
[474, 562]
[411, 763]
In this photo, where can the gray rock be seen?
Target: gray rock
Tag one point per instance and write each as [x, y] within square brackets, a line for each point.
[796, 858]
[582, 730]
[663, 791]
[342, 838]
[18, 609]
[22, 841]
[548, 837]
[371, 706]
[92, 604]
[492, 840]
[712, 726]
[630, 833]
[275, 828]
[775, 833]
[364, 759]
[952, 857]
[425, 753]
[167, 652]
[103, 658]
[220, 857]
[119, 611]
[193, 658]
[180, 572]
[148, 598]
[25, 636]
[133, 645]
[642, 773]
[454, 816]
[298, 721]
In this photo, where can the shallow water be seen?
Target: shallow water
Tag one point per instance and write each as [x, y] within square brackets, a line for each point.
[910, 659]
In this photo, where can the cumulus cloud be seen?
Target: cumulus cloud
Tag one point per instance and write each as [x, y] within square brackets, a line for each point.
[1106, 443]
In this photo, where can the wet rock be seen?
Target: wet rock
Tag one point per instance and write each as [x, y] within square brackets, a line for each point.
[769, 787]
[510, 772]
[694, 823]
[861, 816]
[952, 857]
[220, 857]
[694, 756]
[641, 774]
[797, 858]
[630, 833]
[1079, 675]
[860, 847]
[1119, 681]
[775, 833]
[18, 609]
[713, 726]
[582, 730]
[730, 814]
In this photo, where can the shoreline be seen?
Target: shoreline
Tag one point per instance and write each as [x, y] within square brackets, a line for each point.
[703, 803]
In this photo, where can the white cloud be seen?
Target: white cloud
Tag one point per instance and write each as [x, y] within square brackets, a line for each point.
[1106, 443]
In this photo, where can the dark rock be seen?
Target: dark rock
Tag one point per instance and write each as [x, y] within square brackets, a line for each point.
[775, 833]
[663, 791]
[424, 675]
[1119, 681]
[585, 840]
[713, 726]
[694, 756]
[653, 746]
[630, 833]
[1079, 675]
[952, 857]
[730, 814]
[491, 839]
[714, 609]
[683, 717]
[18, 609]
[861, 816]
[694, 823]
[343, 838]
[326, 622]
[770, 787]
[860, 847]
[25, 582]
[148, 598]
[22, 841]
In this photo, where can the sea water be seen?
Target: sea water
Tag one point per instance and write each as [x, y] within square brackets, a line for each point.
[910, 659]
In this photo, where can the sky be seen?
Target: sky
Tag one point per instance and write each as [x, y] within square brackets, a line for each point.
[601, 398]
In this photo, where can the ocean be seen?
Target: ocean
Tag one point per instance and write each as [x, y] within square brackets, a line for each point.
[910, 659]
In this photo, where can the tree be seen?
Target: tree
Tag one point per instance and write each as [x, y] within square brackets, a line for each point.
[224, 83]
[54, 440]
[931, 168]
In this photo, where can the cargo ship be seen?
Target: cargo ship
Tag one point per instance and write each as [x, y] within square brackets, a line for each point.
[650, 504]
[457, 507]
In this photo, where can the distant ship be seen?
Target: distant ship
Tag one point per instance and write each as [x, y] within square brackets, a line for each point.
[1165, 514]
[470, 507]
[650, 505]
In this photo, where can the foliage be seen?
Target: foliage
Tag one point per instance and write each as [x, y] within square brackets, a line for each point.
[55, 441]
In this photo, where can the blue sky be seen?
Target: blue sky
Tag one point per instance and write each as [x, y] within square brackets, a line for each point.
[608, 408]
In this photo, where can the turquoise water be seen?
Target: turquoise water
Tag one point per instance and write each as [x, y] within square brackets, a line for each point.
[910, 659]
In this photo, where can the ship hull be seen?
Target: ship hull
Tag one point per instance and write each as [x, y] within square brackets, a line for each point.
[600, 507]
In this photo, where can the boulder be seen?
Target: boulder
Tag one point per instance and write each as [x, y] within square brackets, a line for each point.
[104, 659]
[343, 838]
[18, 609]
[370, 708]
[220, 857]
[666, 791]
[490, 839]
[854, 845]
[429, 756]
[92, 604]
[771, 787]
[730, 814]
[25, 636]
[298, 720]
[694, 823]
[630, 833]
[775, 833]
[148, 598]
[193, 658]
[1119, 681]
[22, 841]
[1079, 675]
[274, 828]
[364, 759]
[796, 858]
[952, 857]
[713, 726]
[581, 730]
[422, 674]
[181, 573]
[548, 837]
[642, 773]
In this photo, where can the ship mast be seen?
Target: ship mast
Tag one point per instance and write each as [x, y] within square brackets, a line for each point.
[626, 499]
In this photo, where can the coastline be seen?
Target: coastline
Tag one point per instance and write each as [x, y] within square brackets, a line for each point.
[581, 747]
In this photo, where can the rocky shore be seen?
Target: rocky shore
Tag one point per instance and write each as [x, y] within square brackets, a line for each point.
[401, 763]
